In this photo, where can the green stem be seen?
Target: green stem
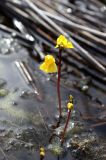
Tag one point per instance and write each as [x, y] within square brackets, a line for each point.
[58, 82]
[66, 125]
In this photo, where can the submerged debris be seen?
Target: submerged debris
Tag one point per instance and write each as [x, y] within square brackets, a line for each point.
[2, 83]
[5, 45]
[3, 92]
[27, 94]
[55, 147]
[83, 145]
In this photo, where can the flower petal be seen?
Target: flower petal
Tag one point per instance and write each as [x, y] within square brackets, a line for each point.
[70, 45]
[43, 67]
[49, 65]
[62, 42]
[52, 68]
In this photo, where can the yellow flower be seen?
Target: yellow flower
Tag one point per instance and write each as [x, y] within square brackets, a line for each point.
[49, 65]
[42, 152]
[71, 98]
[42, 149]
[70, 106]
[62, 42]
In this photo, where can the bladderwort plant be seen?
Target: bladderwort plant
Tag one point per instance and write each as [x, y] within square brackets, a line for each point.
[49, 65]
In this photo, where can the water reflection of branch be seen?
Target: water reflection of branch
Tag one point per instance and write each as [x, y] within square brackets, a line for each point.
[11, 123]
[98, 124]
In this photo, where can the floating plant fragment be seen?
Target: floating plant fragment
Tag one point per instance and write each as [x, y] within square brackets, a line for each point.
[5, 45]
[83, 145]
[3, 92]
[55, 147]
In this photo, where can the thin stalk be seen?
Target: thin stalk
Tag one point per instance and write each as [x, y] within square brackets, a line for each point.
[41, 157]
[66, 125]
[58, 157]
[58, 83]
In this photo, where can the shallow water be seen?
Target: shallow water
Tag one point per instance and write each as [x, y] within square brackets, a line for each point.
[25, 119]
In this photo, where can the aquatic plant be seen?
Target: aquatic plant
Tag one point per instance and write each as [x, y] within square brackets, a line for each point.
[49, 65]
[42, 153]
[62, 43]
[70, 108]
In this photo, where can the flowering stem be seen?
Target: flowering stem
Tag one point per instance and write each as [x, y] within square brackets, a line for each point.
[58, 82]
[42, 153]
[66, 125]
[41, 157]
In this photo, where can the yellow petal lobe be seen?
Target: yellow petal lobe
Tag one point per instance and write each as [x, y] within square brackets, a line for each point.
[70, 106]
[70, 45]
[62, 42]
[42, 154]
[42, 149]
